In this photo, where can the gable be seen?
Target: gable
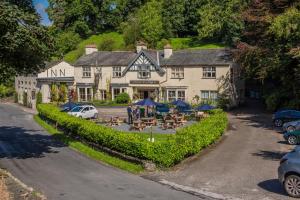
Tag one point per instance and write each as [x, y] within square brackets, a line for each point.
[61, 69]
[143, 61]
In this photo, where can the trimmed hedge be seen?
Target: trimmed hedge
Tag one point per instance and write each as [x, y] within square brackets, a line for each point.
[187, 141]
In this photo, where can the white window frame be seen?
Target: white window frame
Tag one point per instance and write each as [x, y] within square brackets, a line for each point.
[209, 72]
[210, 95]
[144, 72]
[177, 72]
[117, 72]
[177, 95]
[86, 72]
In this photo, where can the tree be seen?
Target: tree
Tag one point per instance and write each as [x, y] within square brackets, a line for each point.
[54, 93]
[24, 43]
[221, 20]
[65, 42]
[63, 93]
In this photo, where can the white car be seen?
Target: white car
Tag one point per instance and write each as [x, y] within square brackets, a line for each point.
[84, 111]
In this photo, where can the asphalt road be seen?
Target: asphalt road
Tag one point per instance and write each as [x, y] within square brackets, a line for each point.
[243, 165]
[60, 173]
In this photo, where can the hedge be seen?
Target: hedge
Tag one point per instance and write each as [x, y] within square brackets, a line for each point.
[187, 141]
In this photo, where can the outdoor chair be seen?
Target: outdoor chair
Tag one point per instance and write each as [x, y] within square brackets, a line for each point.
[138, 125]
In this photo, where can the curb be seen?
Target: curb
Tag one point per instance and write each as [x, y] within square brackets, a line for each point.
[23, 185]
[202, 194]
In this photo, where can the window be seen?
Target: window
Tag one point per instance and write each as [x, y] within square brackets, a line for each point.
[116, 92]
[33, 95]
[171, 95]
[82, 94]
[177, 72]
[209, 72]
[209, 95]
[181, 95]
[144, 72]
[89, 94]
[86, 71]
[176, 94]
[117, 72]
[124, 90]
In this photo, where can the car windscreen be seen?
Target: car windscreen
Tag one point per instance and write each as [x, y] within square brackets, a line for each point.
[76, 109]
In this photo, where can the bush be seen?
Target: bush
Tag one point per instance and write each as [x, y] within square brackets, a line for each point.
[187, 141]
[5, 91]
[122, 98]
[39, 98]
[25, 100]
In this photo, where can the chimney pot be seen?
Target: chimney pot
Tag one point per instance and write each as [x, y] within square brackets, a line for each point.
[91, 48]
[140, 45]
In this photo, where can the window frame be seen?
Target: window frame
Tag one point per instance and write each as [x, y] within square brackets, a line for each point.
[211, 95]
[86, 71]
[209, 72]
[177, 72]
[117, 72]
[144, 69]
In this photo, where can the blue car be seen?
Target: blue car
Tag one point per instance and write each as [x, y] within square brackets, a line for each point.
[280, 117]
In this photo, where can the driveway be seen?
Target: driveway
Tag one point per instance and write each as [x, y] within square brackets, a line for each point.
[243, 165]
[60, 173]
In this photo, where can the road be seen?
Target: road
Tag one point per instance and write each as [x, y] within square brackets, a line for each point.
[243, 165]
[60, 173]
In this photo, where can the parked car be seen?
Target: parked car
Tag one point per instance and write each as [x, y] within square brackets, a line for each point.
[289, 172]
[292, 137]
[68, 106]
[84, 111]
[291, 126]
[285, 116]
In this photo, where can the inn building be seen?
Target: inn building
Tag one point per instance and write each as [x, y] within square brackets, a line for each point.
[164, 75]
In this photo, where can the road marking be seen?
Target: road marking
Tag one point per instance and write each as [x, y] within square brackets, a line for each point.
[197, 192]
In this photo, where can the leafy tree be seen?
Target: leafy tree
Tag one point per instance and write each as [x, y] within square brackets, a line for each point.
[39, 98]
[24, 43]
[63, 93]
[65, 42]
[221, 20]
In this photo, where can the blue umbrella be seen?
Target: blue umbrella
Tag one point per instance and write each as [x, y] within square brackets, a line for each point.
[146, 102]
[205, 107]
[180, 103]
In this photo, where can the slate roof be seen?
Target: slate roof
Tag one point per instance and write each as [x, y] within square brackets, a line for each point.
[107, 58]
[178, 58]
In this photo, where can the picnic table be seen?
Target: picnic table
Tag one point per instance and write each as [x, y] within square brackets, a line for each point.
[114, 121]
[149, 121]
[138, 125]
[169, 124]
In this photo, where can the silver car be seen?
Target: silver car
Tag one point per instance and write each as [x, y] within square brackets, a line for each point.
[289, 172]
[291, 126]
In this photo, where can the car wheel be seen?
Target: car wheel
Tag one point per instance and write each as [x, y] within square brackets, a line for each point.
[291, 128]
[292, 139]
[278, 122]
[95, 116]
[292, 186]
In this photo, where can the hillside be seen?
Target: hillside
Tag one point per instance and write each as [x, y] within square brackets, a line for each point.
[114, 41]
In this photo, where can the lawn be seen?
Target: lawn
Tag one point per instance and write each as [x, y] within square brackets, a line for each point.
[190, 43]
[90, 152]
[115, 38]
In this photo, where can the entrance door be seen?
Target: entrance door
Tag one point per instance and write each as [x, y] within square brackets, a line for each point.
[146, 94]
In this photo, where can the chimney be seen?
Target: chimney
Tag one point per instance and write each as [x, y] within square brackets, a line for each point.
[140, 45]
[168, 51]
[91, 48]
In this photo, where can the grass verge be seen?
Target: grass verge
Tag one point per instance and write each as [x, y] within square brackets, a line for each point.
[90, 152]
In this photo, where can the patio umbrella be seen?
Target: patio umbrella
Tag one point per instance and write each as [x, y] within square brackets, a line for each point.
[146, 102]
[205, 107]
[180, 103]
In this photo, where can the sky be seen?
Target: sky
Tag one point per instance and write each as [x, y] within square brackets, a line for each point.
[40, 6]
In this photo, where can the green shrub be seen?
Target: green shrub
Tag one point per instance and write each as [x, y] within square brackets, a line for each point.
[39, 98]
[25, 100]
[5, 91]
[187, 141]
[122, 98]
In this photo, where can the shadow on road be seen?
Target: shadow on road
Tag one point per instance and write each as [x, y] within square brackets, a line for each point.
[272, 185]
[20, 143]
[270, 155]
